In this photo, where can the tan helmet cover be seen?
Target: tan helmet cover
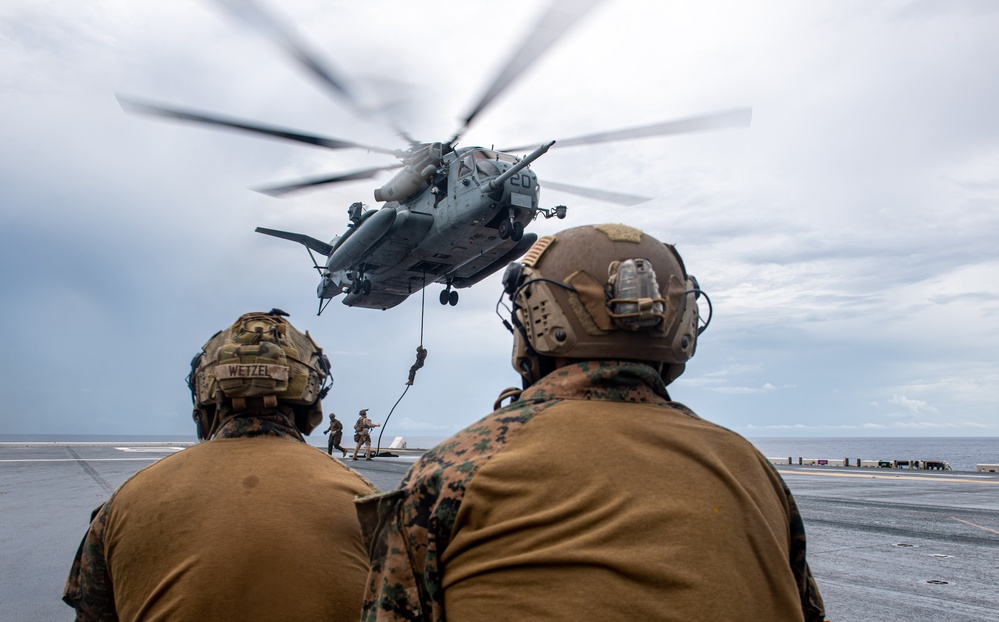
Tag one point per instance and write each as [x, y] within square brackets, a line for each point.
[586, 323]
[259, 361]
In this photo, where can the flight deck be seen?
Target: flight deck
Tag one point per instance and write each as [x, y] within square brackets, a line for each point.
[883, 544]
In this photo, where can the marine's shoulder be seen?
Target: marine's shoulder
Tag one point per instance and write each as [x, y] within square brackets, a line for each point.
[461, 454]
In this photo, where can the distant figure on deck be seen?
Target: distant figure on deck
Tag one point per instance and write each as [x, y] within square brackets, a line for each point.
[336, 433]
[362, 433]
[421, 357]
[253, 523]
[518, 518]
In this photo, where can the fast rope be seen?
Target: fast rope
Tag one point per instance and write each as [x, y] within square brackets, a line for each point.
[421, 355]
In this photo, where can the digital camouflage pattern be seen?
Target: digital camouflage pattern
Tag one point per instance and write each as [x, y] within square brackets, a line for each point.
[89, 587]
[407, 531]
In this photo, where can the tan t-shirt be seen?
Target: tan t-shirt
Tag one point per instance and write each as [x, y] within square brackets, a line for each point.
[683, 522]
[591, 497]
[238, 529]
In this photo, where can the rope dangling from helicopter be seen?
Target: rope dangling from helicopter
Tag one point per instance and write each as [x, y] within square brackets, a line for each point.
[421, 357]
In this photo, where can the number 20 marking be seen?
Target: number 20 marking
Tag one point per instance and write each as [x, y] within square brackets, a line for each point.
[522, 179]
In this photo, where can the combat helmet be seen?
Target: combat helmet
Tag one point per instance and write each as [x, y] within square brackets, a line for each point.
[602, 292]
[261, 362]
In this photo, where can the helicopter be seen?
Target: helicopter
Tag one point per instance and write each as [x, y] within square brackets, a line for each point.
[451, 214]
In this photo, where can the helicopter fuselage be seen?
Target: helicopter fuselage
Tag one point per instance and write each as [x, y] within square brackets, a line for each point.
[462, 223]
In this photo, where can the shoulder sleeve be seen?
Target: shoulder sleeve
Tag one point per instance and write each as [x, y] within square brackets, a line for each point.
[811, 602]
[396, 589]
[408, 531]
[88, 588]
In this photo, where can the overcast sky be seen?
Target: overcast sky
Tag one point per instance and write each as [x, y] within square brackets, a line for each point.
[847, 238]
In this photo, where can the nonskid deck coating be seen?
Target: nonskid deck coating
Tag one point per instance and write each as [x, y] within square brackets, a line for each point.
[883, 545]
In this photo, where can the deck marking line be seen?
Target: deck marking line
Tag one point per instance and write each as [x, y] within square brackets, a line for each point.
[103, 483]
[892, 476]
[974, 525]
[150, 458]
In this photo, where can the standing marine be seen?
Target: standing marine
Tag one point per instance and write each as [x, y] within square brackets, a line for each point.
[250, 524]
[362, 433]
[517, 518]
[335, 432]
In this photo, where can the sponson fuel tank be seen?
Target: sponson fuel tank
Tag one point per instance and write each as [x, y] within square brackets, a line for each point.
[358, 242]
[364, 242]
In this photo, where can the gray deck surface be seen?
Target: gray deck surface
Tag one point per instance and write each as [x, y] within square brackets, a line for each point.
[884, 545]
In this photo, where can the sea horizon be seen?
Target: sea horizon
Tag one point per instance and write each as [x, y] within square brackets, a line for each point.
[962, 453]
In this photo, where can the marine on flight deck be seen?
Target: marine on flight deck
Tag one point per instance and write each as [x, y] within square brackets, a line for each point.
[253, 523]
[682, 520]
[335, 432]
[362, 433]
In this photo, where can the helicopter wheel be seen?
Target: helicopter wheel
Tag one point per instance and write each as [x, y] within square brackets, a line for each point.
[518, 232]
[366, 287]
[452, 298]
[505, 229]
[445, 295]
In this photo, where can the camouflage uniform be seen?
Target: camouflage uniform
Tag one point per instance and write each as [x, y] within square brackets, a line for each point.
[336, 434]
[667, 534]
[175, 555]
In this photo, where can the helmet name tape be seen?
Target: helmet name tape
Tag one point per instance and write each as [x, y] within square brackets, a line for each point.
[273, 372]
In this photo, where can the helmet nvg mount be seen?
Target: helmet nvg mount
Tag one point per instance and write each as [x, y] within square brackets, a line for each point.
[602, 292]
[259, 362]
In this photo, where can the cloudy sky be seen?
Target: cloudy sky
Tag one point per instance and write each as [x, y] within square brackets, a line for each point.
[847, 238]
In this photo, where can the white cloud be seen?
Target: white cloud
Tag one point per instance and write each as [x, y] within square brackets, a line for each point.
[845, 239]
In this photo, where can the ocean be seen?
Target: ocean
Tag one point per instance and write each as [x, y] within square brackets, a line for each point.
[962, 453]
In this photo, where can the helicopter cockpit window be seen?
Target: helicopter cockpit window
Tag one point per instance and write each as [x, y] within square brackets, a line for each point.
[487, 168]
[486, 162]
[467, 164]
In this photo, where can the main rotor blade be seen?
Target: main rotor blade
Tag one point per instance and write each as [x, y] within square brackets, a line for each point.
[557, 20]
[251, 13]
[604, 195]
[282, 189]
[738, 117]
[156, 110]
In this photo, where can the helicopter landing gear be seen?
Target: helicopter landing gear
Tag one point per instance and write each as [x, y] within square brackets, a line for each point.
[449, 297]
[360, 286]
[518, 232]
[511, 229]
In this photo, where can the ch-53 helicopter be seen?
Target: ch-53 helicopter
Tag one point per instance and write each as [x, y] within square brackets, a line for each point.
[452, 214]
